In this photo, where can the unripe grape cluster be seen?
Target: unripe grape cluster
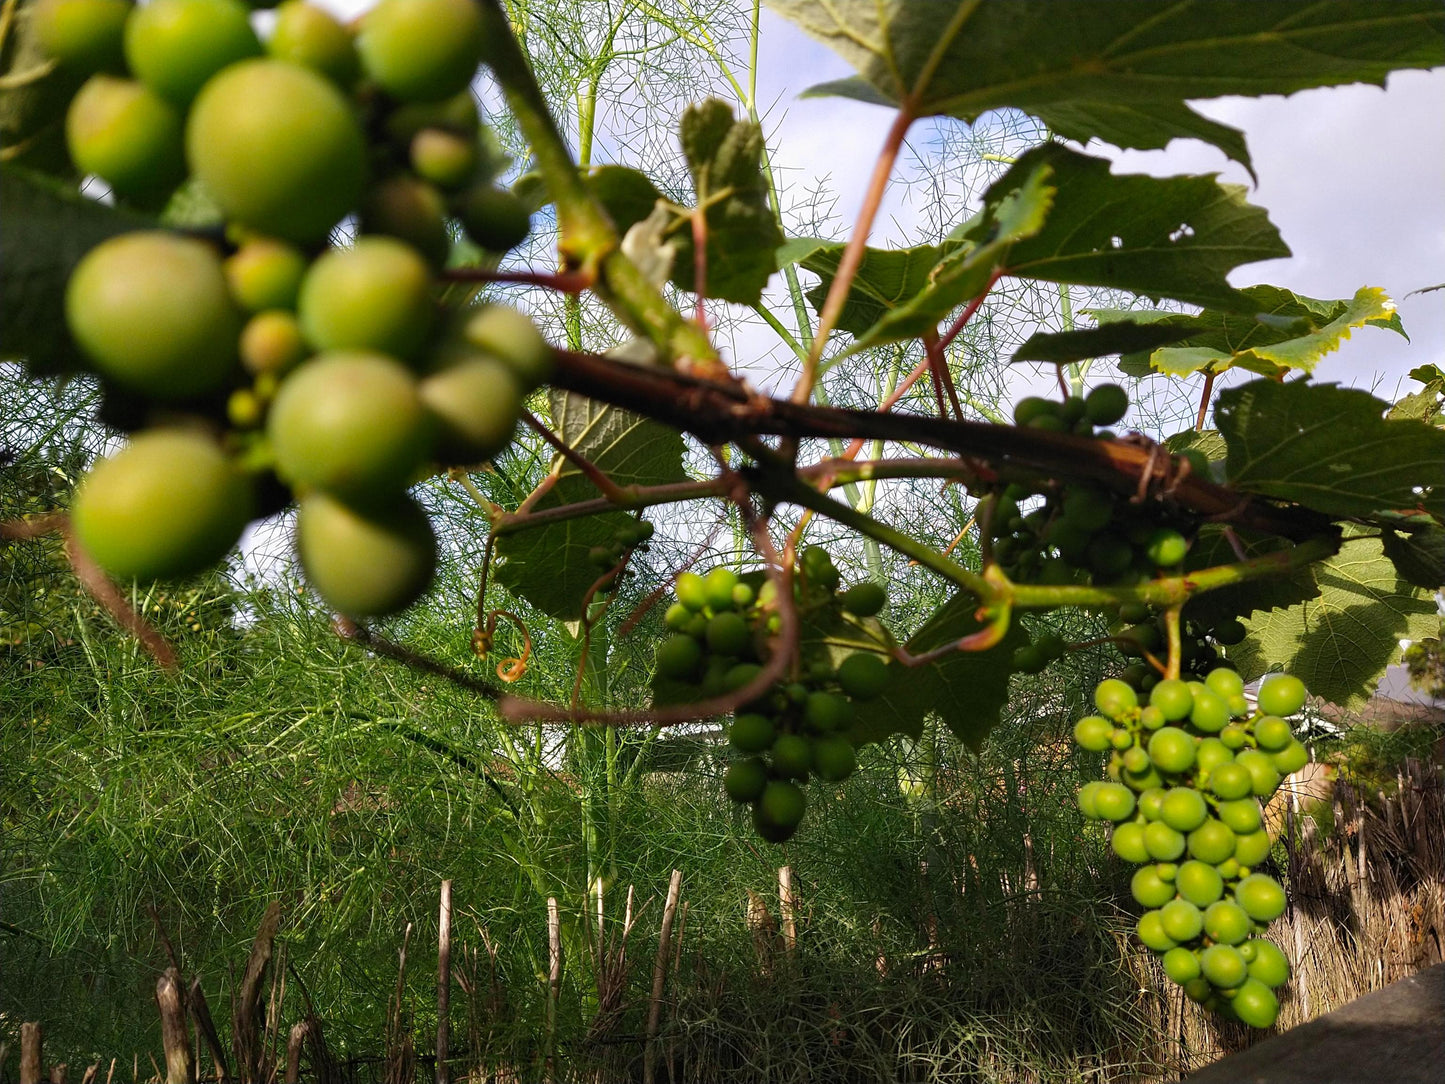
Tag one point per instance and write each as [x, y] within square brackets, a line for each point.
[1187, 773]
[257, 353]
[803, 725]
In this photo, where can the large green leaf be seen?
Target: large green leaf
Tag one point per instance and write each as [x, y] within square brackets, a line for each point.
[1340, 643]
[1120, 71]
[885, 278]
[966, 689]
[1330, 448]
[1118, 337]
[46, 227]
[1286, 331]
[724, 156]
[1419, 556]
[548, 566]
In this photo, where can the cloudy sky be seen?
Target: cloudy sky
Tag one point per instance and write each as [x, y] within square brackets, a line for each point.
[1354, 178]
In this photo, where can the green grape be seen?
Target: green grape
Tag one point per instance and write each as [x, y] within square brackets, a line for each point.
[1272, 733]
[513, 339]
[1114, 802]
[743, 596]
[1234, 737]
[1253, 848]
[1128, 840]
[1255, 1004]
[689, 591]
[1183, 809]
[444, 158]
[1168, 871]
[1151, 718]
[1291, 758]
[375, 295]
[1109, 555]
[1229, 868]
[366, 563]
[410, 210]
[1242, 816]
[350, 423]
[278, 148]
[1226, 683]
[1226, 922]
[1223, 966]
[1087, 799]
[265, 274]
[827, 712]
[1121, 739]
[717, 587]
[740, 676]
[1210, 754]
[1181, 920]
[1166, 547]
[818, 568]
[1095, 733]
[1163, 843]
[1199, 883]
[792, 755]
[1282, 695]
[1173, 698]
[1136, 761]
[1230, 781]
[1172, 750]
[1181, 965]
[1212, 842]
[1142, 781]
[779, 810]
[477, 404]
[271, 342]
[1150, 803]
[126, 135]
[863, 675]
[676, 617]
[152, 312]
[864, 599]
[678, 658]
[714, 678]
[1199, 990]
[1114, 699]
[1269, 965]
[1152, 934]
[422, 50]
[1033, 406]
[1210, 713]
[1262, 772]
[834, 758]
[1238, 706]
[457, 114]
[1148, 889]
[1028, 659]
[1088, 509]
[1261, 897]
[745, 780]
[1106, 404]
[1230, 632]
[312, 37]
[728, 634]
[167, 505]
[697, 627]
[175, 46]
[84, 36]
[493, 217]
[1072, 410]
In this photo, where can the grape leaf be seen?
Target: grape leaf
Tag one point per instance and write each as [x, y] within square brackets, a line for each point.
[724, 156]
[45, 230]
[628, 194]
[885, 278]
[548, 566]
[1121, 72]
[1330, 448]
[1418, 556]
[1340, 643]
[1424, 404]
[1211, 548]
[1287, 331]
[966, 689]
[1119, 337]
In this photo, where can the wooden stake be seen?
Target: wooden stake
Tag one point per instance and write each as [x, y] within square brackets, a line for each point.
[659, 976]
[175, 1035]
[206, 1029]
[32, 1039]
[90, 1073]
[246, 1041]
[444, 982]
[58, 1073]
[787, 908]
[293, 1051]
[554, 978]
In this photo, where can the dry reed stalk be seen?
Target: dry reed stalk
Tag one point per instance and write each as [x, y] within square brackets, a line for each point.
[444, 982]
[659, 977]
[32, 1042]
[175, 1033]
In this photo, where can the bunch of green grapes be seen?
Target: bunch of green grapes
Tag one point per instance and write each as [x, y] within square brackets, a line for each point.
[273, 357]
[1082, 533]
[1187, 772]
[804, 725]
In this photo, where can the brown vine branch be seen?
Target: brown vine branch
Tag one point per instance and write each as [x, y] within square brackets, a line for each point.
[358, 634]
[33, 526]
[567, 282]
[609, 489]
[100, 588]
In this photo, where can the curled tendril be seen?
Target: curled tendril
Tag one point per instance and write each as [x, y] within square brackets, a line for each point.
[483, 637]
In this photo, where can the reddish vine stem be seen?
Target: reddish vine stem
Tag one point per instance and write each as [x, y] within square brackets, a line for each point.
[718, 414]
[110, 597]
[1204, 400]
[609, 489]
[567, 282]
[34, 527]
[348, 629]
